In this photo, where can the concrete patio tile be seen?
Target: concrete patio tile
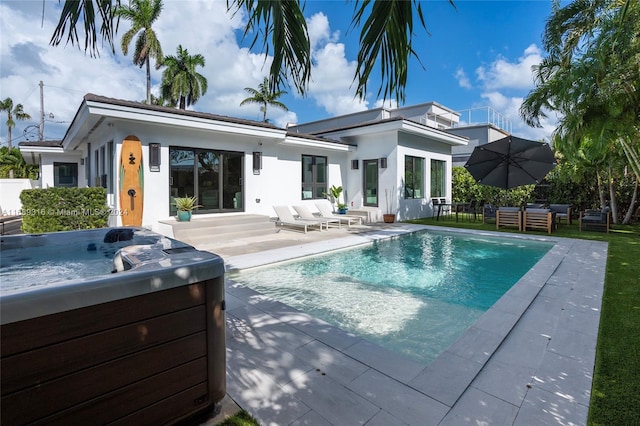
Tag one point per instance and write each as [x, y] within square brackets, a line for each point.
[385, 361]
[322, 331]
[272, 331]
[336, 403]
[542, 316]
[476, 344]
[511, 304]
[503, 381]
[311, 418]
[556, 291]
[565, 376]
[545, 408]
[586, 322]
[239, 290]
[526, 289]
[334, 363]
[268, 402]
[385, 419]
[446, 377]
[523, 348]
[281, 366]
[232, 302]
[574, 344]
[479, 408]
[402, 402]
[497, 322]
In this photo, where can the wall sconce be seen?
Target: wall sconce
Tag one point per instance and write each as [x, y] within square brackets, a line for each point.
[383, 163]
[257, 162]
[154, 157]
[355, 164]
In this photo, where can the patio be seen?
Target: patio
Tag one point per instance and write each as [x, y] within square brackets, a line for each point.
[529, 359]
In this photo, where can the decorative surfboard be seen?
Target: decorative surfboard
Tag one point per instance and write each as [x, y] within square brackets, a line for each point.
[131, 183]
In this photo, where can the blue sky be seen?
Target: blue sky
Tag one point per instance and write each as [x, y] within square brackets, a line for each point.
[478, 54]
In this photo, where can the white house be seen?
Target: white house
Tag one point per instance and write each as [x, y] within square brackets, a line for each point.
[395, 160]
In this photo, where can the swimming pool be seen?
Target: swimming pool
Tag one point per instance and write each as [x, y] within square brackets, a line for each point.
[414, 294]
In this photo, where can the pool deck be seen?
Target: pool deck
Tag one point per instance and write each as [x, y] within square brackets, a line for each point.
[528, 360]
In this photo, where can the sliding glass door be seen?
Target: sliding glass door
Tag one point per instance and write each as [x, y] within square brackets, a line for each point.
[216, 177]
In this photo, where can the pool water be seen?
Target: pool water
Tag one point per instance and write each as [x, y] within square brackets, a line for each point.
[414, 294]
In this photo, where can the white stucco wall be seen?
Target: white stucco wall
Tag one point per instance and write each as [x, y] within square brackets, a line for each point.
[10, 189]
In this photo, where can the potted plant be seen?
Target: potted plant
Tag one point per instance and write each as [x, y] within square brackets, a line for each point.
[388, 217]
[334, 197]
[342, 208]
[185, 207]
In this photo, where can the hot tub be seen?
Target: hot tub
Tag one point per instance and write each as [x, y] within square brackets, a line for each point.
[135, 336]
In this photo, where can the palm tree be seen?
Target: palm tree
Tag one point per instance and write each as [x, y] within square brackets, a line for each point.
[181, 83]
[386, 37]
[142, 14]
[16, 112]
[265, 97]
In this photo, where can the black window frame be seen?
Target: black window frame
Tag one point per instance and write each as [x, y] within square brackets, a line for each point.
[411, 177]
[318, 189]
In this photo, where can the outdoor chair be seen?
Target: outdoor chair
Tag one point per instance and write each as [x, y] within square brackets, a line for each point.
[595, 220]
[538, 219]
[306, 214]
[286, 218]
[509, 216]
[562, 211]
[326, 211]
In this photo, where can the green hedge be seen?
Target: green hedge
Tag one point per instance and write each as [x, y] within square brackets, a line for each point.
[63, 209]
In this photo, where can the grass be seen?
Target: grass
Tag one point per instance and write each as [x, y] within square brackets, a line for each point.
[242, 418]
[615, 393]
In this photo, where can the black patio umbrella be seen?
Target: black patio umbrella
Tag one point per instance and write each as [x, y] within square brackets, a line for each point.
[510, 162]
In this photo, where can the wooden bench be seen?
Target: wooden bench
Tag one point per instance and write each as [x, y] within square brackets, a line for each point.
[509, 216]
[539, 219]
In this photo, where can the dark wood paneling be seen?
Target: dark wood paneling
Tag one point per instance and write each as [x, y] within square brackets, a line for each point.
[128, 400]
[44, 364]
[31, 334]
[48, 398]
[169, 410]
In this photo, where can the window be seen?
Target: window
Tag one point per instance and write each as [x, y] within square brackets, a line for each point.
[438, 178]
[65, 174]
[314, 177]
[413, 177]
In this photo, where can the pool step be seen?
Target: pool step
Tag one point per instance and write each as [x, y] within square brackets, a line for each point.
[204, 230]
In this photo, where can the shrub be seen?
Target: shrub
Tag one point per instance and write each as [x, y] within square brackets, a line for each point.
[63, 209]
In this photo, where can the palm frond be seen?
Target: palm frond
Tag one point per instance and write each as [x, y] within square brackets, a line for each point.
[74, 11]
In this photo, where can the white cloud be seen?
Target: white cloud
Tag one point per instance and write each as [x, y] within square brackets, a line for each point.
[389, 103]
[504, 74]
[463, 79]
[504, 86]
[332, 74]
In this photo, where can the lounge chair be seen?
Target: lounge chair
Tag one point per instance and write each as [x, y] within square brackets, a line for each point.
[306, 214]
[327, 211]
[595, 220]
[509, 216]
[285, 218]
[538, 219]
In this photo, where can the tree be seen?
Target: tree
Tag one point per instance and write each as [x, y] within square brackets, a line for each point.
[181, 83]
[591, 77]
[265, 97]
[142, 14]
[386, 37]
[16, 112]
